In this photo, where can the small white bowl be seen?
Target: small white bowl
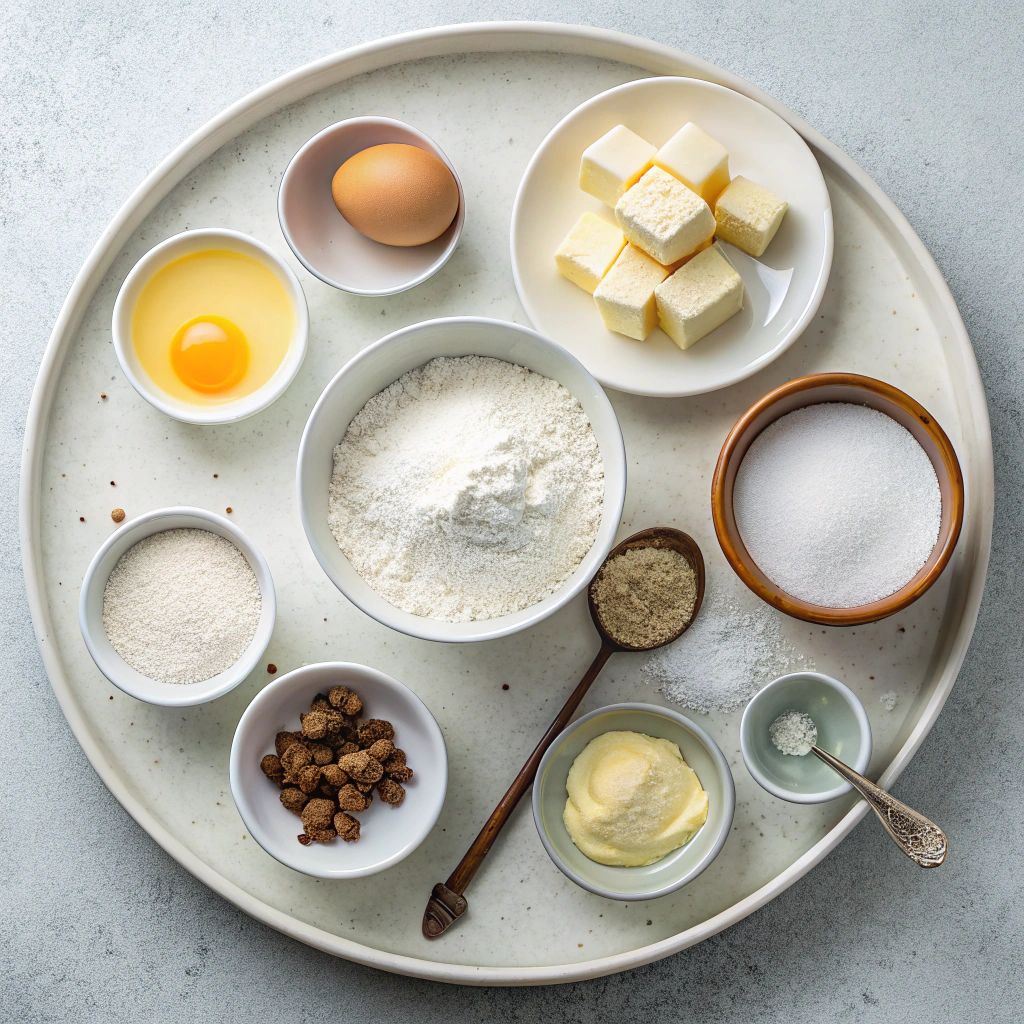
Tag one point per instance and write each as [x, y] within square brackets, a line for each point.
[166, 252]
[326, 244]
[388, 834]
[675, 869]
[90, 608]
[843, 730]
[384, 362]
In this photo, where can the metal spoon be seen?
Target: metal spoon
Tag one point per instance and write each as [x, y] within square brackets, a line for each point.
[920, 839]
[447, 902]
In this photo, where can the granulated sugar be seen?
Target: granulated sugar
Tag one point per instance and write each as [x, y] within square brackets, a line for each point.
[181, 606]
[838, 504]
[733, 648]
[469, 488]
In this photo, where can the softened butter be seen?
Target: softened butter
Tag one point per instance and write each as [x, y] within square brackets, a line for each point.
[632, 799]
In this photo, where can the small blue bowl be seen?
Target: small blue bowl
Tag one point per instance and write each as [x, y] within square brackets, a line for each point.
[843, 730]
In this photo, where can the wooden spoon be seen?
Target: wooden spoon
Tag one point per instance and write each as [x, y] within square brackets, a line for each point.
[447, 902]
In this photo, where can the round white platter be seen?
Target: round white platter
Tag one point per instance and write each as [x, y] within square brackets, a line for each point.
[886, 312]
[782, 289]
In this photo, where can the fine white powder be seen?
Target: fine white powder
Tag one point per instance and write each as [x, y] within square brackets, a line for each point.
[733, 648]
[889, 700]
[181, 606]
[837, 504]
[794, 733]
[469, 488]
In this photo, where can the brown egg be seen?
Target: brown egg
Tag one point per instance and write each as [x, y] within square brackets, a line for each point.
[396, 194]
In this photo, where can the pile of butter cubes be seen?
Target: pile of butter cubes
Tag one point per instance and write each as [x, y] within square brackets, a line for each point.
[657, 265]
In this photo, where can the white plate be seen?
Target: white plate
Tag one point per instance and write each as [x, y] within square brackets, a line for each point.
[782, 290]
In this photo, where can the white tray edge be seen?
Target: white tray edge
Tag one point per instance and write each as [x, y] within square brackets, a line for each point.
[302, 82]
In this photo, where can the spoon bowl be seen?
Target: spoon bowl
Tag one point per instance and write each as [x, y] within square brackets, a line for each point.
[654, 537]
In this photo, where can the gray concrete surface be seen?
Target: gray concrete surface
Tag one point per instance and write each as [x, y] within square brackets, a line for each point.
[97, 924]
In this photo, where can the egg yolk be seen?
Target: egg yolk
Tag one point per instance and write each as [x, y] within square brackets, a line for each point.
[209, 354]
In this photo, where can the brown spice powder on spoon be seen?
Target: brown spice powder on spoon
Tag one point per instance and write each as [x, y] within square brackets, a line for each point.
[645, 595]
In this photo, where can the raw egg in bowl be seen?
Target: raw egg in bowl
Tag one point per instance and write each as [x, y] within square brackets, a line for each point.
[210, 326]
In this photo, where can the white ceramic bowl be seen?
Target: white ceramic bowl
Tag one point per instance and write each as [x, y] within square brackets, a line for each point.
[174, 248]
[675, 869]
[387, 834]
[90, 608]
[326, 244]
[384, 362]
[843, 731]
[782, 289]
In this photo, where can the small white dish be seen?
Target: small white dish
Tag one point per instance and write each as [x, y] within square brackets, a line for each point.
[387, 834]
[384, 362]
[675, 869]
[90, 608]
[843, 730]
[782, 289]
[326, 244]
[174, 248]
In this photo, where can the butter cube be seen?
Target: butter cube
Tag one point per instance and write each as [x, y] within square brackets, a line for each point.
[625, 298]
[697, 160]
[660, 215]
[698, 297]
[588, 251]
[614, 163]
[748, 215]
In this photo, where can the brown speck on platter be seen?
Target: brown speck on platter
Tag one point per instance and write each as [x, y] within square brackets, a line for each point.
[112, 484]
[117, 515]
[504, 686]
[271, 668]
[81, 519]
[228, 509]
[103, 394]
[215, 476]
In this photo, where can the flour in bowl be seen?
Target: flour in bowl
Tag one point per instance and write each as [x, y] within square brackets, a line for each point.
[468, 489]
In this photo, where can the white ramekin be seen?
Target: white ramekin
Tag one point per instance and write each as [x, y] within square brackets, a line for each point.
[90, 608]
[158, 257]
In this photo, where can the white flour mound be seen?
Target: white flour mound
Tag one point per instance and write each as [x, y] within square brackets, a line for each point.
[181, 606]
[734, 647]
[469, 488]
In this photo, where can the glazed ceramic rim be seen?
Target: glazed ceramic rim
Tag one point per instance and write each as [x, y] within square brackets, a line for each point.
[731, 541]
[152, 263]
[420, 626]
[372, 677]
[431, 147]
[496, 37]
[747, 726]
[110, 663]
[722, 770]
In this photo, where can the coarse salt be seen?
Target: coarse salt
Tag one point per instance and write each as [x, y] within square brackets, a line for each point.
[837, 504]
[794, 733]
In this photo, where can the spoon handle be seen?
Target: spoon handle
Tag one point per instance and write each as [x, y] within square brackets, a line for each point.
[447, 904]
[918, 837]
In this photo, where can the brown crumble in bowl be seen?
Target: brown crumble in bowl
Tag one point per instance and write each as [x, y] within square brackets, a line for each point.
[328, 770]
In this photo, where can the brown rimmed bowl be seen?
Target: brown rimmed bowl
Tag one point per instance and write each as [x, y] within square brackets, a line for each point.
[857, 390]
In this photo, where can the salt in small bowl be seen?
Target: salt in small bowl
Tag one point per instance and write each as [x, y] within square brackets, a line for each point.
[90, 608]
[843, 730]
